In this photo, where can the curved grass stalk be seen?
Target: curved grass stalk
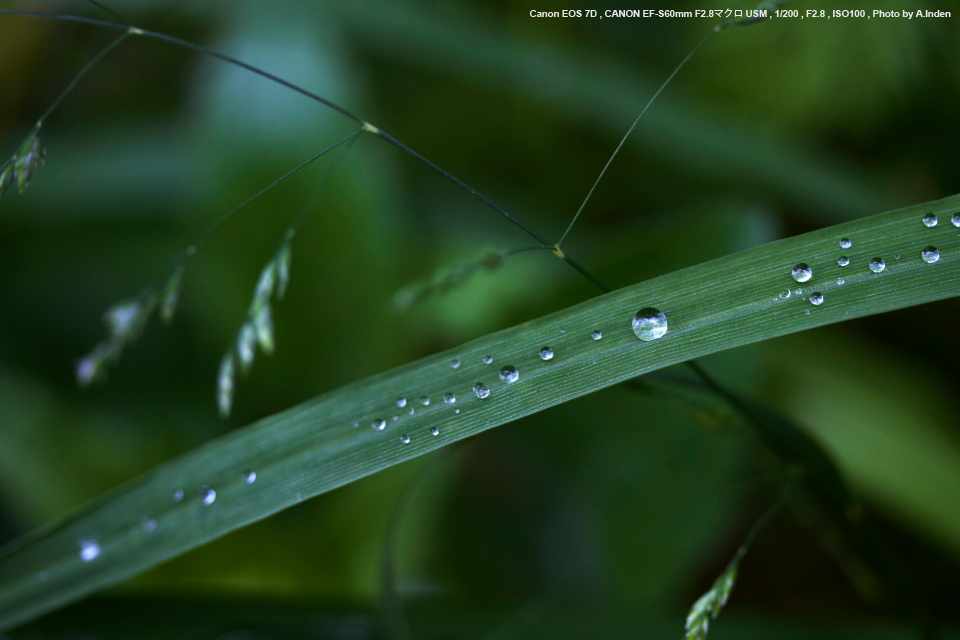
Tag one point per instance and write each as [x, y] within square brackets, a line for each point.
[328, 441]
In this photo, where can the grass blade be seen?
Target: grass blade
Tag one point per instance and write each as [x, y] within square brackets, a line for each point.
[314, 447]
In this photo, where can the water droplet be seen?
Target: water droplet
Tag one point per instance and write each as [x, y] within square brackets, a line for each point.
[379, 424]
[148, 524]
[44, 576]
[455, 363]
[930, 220]
[840, 281]
[425, 401]
[955, 219]
[405, 439]
[487, 359]
[896, 257]
[456, 411]
[649, 324]
[798, 291]
[395, 418]
[845, 243]
[843, 261]
[930, 255]
[802, 272]
[877, 265]
[481, 390]
[89, 549]
[356, 424]
[597, 334]
[449, 397]
[807, 312]
[178, 495]
[249, 476]
[435, 431]
[509, 374]
[785, 294]
[816, 298]
[401, 402]
[412, 411]
[207, 495]
[546, 353]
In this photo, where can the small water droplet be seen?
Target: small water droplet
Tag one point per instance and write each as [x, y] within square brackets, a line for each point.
[649, 324]
[207, 495]
[481, 390]
[379, 424]
[843, 261]
[178, 495]
[877, 265]
[395, 418]
[449, 397]
[356, 424]
[425, 401]
[405, 439]
[816, 298]
[798, 291]
[148, 524]
[845, 243]
[401, 402]
[487, 359]
[509, 374]
[546, 353]
[896, 257]
[802, 272]
[930, 220]
[456, 411]
[89, 549]
[597, 334]
[930, 255]
[44, 576]
[807, 312]
[785, 294]
[411, 411]
[455, 363]
[840, 281]
[435, 431]
[955, 219]
[249, 476]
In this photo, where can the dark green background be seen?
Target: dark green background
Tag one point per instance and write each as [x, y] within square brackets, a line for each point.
[605, 517]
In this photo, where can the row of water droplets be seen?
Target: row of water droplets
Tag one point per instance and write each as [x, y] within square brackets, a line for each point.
[802, 272]
[648, 324]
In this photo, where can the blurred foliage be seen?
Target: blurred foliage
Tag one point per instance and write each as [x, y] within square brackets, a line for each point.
[628, 505]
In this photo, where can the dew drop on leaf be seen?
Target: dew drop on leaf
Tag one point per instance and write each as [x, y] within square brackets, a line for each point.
[955, 220]
[649, 324]
[379, 424]
[509, 374]
[546, 353]
[597, 334]
[89, 549]
[481, 390]
[802, 272]
[930, 255]
[425, 401]
[930, 220]
[877, 265]
[405, 439]
[401, 402]
[435, 431]
[249, 476]
[785, 294]
[177, 495]
[148, 524]
[454, 364]
[816, 298]
[207, 495]
[845, 243]
[843, 261]
[840, 281]
[449, 397]
[487, 359]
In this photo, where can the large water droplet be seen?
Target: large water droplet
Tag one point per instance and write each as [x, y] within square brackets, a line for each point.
[509, 374]
[435, 431]
[816, 298]
[877, 265]
[546, 353]
[379, 424]
[955, 220]
[930, 255]
[930, 220]
[449, 397]
[207, 495]
[649, 324]
[487, 359]
[455, 363]
[405, 439]
[178, 495]
[843, 261]
[89, 549]
[597, 334]
[481, 390]
[802, 272]
[845, 243]
[401, 402]
[785, 294]
[249, 476]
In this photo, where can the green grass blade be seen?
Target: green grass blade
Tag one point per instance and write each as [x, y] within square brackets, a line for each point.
[313, 448]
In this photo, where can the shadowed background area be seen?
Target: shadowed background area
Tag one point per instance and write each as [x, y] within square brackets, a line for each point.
[603, 517]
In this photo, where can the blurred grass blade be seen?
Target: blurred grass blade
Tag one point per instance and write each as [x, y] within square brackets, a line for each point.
[315, 447]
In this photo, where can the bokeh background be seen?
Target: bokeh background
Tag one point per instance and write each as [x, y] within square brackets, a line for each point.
[603, 517]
